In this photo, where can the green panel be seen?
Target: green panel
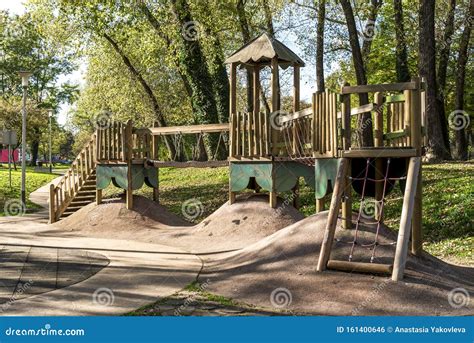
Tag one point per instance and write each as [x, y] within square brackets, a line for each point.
[105, 174]
[118, 175]
[325, 171]
[240, 174]
[288, 173]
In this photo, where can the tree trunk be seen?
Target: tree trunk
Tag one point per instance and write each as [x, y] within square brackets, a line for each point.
[442, 69]
[194, 66]
[320, 46]
[365, 135]
[149, 92]
[35, 143]
[427, 66]
[245, 32]
[369, 30]
[460, 120]
[403, 73]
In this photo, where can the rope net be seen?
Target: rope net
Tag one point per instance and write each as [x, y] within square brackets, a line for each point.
[378, 208]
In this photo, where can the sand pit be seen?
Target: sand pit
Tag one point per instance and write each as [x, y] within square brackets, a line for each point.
[230, 227]
[288, 258]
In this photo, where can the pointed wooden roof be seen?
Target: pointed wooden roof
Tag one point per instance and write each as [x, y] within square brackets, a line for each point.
[262, 49]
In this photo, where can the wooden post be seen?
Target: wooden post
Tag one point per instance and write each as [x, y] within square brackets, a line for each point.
[378, 143]
[256, 110]
[346, 144]
[98, 196]
[416, 142]
[319, 205]
[406, 219]
[52, 211]
[407, 114]
[296, 99]
[275, 103]
[296, 108]
[330, 230]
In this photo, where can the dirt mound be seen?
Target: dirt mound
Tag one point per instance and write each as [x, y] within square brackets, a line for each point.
[285, 264]
[230, 227]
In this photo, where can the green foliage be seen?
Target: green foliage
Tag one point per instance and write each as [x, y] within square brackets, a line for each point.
[33, 182]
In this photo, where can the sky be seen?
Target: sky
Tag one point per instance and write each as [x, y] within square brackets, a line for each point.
[307, 84]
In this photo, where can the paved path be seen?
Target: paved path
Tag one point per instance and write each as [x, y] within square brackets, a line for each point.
[41, 195]
[42, 273]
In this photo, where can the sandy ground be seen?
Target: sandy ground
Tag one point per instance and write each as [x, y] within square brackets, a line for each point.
[267, 257]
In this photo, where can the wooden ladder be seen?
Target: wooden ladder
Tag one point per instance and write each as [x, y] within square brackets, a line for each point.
[401, 252]
[77, 187]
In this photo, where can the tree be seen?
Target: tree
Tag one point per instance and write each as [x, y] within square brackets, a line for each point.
[403, 74]
[320, 45]
[365, 134]
[461, 144]
[427, 67]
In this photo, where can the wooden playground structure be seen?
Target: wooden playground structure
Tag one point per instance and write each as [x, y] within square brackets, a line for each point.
[274, 150]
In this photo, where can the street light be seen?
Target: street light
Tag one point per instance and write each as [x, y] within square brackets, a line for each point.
[24, 82]
[50, 115]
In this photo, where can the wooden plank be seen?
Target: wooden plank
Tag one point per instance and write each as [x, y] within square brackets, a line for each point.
[330, 229]
[238, 136]
[386, 87]
[52, 210]
[360, 267]
[234, 141]
[394, 135]
[189, 164]
[189, 129]
[401, 251]
[389, 99]
[379, 152]
[275, 84]
[296, 104]
[407, 116]
[296, 115]
[256, 110]
[346, 144]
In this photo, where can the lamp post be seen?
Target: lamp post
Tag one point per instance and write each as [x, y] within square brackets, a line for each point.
[24, 82]
[50, 115]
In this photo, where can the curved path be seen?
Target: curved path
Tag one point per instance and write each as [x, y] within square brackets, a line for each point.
[130, 275]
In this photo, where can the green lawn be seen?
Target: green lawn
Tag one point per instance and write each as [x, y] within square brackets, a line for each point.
[448, 190]
[33, 181]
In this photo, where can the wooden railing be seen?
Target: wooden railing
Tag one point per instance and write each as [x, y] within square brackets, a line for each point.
[118, 142]
[61, 194]
[250, 135]
[311, 132]
[398, 114]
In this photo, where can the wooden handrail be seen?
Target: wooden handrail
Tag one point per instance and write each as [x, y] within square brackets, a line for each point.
[61, 195]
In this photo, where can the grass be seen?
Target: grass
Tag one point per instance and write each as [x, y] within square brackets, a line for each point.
[34, 181]
[448, 193]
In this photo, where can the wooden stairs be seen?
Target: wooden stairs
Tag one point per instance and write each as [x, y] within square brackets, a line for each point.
[84, 196]
[77, 188]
